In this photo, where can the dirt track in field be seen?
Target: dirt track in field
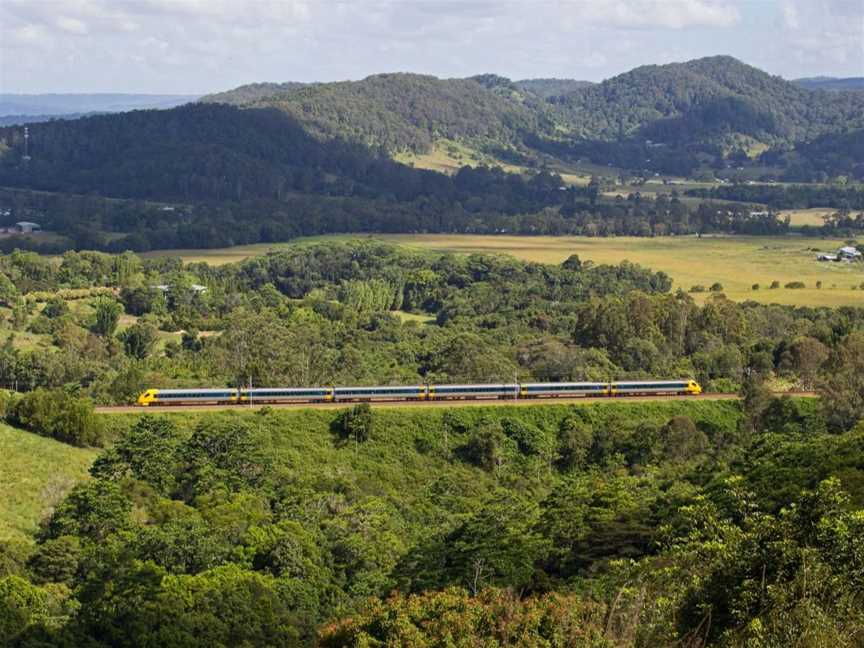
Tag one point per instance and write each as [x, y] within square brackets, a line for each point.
[135, 409]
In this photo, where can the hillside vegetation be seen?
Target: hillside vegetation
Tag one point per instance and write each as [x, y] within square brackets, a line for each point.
[710, 102]
[613, 525]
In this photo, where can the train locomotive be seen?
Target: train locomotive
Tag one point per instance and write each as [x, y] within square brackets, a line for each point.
[504, 391]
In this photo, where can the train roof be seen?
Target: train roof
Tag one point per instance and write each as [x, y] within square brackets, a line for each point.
[565, 384]
[651, 382]
[254, 390]
[193, 390]
[469, 386]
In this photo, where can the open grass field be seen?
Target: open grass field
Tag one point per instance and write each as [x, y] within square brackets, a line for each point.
[35, 473]
[737, 262]
[813, 217]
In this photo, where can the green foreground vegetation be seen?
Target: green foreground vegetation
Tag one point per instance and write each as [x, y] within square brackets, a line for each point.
[615, 524]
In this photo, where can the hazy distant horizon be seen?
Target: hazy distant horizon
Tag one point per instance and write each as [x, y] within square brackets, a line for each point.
[197, 47]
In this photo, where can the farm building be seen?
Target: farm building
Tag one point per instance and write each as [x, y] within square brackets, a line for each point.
[26, 227]
[848, 252]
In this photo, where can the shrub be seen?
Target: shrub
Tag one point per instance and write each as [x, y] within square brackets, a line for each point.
[775, 284]
[819, 284]
[697, 289]
[755, 286]
[107, 315]
[716, 287]
[795, 285]
[356, 423]
[57, 414]
[138, 340]
[55, 307]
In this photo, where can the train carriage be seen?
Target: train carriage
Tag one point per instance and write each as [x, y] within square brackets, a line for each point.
[383, 393]
[563, 390]
[287, 395]
[224, 396]
[443, 392]
[654, 388]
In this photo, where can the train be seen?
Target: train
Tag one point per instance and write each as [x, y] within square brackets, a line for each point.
[502, 391]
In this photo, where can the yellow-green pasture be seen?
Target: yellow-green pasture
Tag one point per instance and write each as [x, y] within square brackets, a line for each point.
[813, 216]
[737, 262]
[35, 473]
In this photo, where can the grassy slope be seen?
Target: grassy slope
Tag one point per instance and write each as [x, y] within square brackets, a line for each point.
[35, 473]
[737, 262]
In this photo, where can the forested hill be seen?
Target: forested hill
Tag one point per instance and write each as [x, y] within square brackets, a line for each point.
[211, 152]
[706, 99]
[410, 111]
[831, 83]
[552, 87]
[251, 92]
[716, 102]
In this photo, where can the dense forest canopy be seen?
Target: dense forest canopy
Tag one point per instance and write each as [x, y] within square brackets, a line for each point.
[693, 107]
[621, 524]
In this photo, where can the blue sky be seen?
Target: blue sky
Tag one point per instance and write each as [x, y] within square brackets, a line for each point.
[197, 46]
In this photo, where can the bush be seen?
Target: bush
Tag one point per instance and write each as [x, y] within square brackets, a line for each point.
[775, 284]
[755, 286]
[59, 415]
[697, 289]
[795, 285]
[356, 423]
[716, 287]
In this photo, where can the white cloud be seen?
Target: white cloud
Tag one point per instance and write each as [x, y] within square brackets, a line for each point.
[71, 25]
[824, 30]
[669, 14]
[204, 45]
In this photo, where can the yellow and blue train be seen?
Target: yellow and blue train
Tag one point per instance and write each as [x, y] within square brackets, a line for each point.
[512, 391]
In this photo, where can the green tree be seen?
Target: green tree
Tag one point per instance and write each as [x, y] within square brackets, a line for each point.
[22, 605]
[138, 340]
[56, 560]
[8, 292]
[60, 415]
[357, 423]
[91, 511]
[842, 390]
[148, 451]
[55, 307]
[496, 546]
[106, 317]
[575, 439]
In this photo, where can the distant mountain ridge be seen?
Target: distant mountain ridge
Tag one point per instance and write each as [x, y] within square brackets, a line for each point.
[77, 104]
[830, 83]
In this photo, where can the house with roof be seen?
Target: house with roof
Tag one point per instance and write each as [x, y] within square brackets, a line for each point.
[27, 227]
[848, 253]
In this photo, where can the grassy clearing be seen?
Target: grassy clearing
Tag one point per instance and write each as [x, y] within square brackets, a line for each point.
[35, 473]
[737, 262]
[414, 317]
[813, 217]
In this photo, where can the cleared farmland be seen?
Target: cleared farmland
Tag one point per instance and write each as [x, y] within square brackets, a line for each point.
[736, 262]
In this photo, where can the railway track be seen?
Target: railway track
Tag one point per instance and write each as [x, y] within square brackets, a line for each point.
[582, 400]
